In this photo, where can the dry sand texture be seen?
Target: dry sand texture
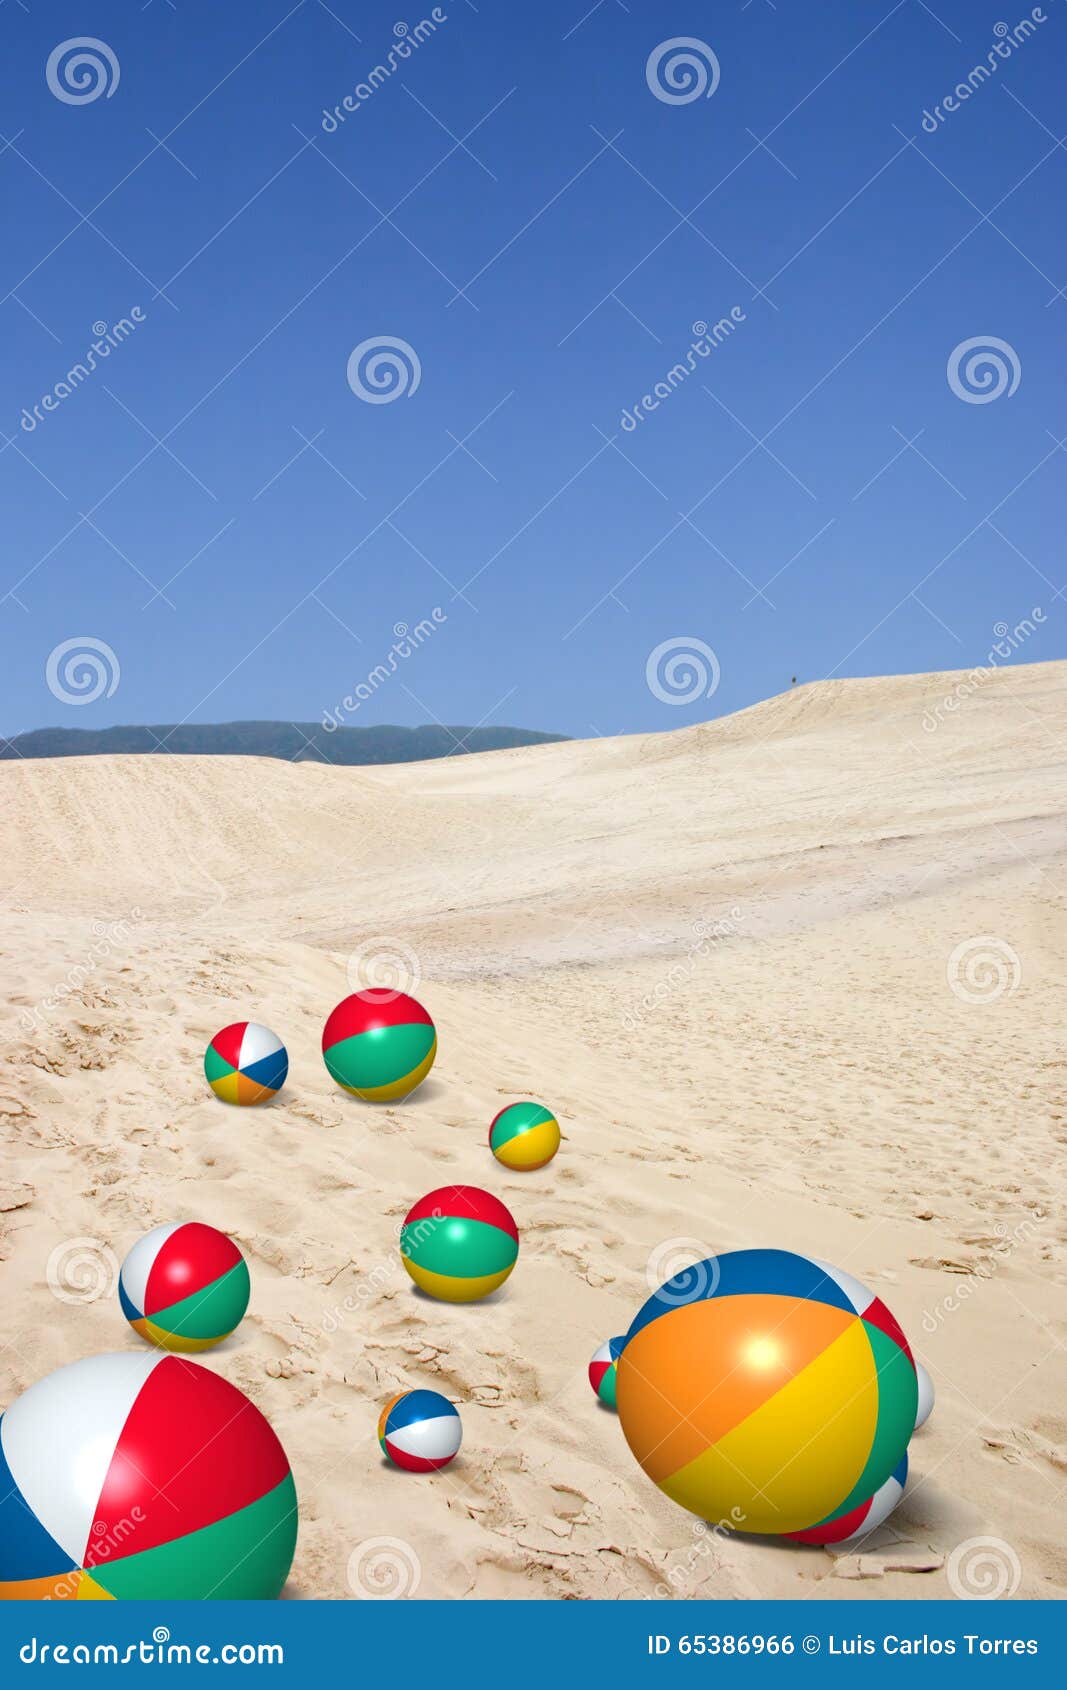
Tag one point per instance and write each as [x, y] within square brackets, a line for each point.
[789, 978]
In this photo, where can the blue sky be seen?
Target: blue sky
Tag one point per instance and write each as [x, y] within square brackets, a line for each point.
[217, 506]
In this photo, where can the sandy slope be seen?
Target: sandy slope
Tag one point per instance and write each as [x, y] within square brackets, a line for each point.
[721, 953]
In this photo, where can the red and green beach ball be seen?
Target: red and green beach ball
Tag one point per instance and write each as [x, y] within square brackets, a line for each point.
[141, 1477]
[184, 1286]
[379, 1045]
[459, 1243]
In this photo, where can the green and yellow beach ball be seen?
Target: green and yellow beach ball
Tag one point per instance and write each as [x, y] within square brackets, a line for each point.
[524, 1136]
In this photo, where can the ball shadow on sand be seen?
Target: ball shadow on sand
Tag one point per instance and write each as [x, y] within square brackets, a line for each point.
[430, 1091]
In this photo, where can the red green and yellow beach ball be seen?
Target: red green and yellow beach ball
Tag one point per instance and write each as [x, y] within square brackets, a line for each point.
[246, 1063]
[184, 1286]
[379, 1045]
[459, 1243]
[141, 1476]
[767, 1392]
[524, 1136]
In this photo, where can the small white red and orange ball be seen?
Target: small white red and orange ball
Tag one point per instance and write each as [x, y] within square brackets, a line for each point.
[524, 1136]
[420, 1431]
[602, 1369]
[246, 1063]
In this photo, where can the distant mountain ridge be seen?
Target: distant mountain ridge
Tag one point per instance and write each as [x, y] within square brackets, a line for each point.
[295, 742]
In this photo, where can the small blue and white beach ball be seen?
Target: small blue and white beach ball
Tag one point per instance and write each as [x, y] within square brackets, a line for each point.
[420, 1431]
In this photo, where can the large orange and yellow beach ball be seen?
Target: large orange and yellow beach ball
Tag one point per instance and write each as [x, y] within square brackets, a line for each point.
[766, 1391]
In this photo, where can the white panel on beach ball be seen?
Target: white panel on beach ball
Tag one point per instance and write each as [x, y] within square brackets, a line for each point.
[926, 1396]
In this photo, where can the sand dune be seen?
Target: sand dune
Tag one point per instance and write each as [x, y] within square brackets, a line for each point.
[792, 977]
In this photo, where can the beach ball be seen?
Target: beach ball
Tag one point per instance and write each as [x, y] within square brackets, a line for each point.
[602, 1370]
[459, 1243]
[184, 1286]
[766, 1391]
[246, 1063]
[141, 1476]
[420, 1431]
[379, 1045]
[926, 1396]
[524, 1136]
[851, 1525]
